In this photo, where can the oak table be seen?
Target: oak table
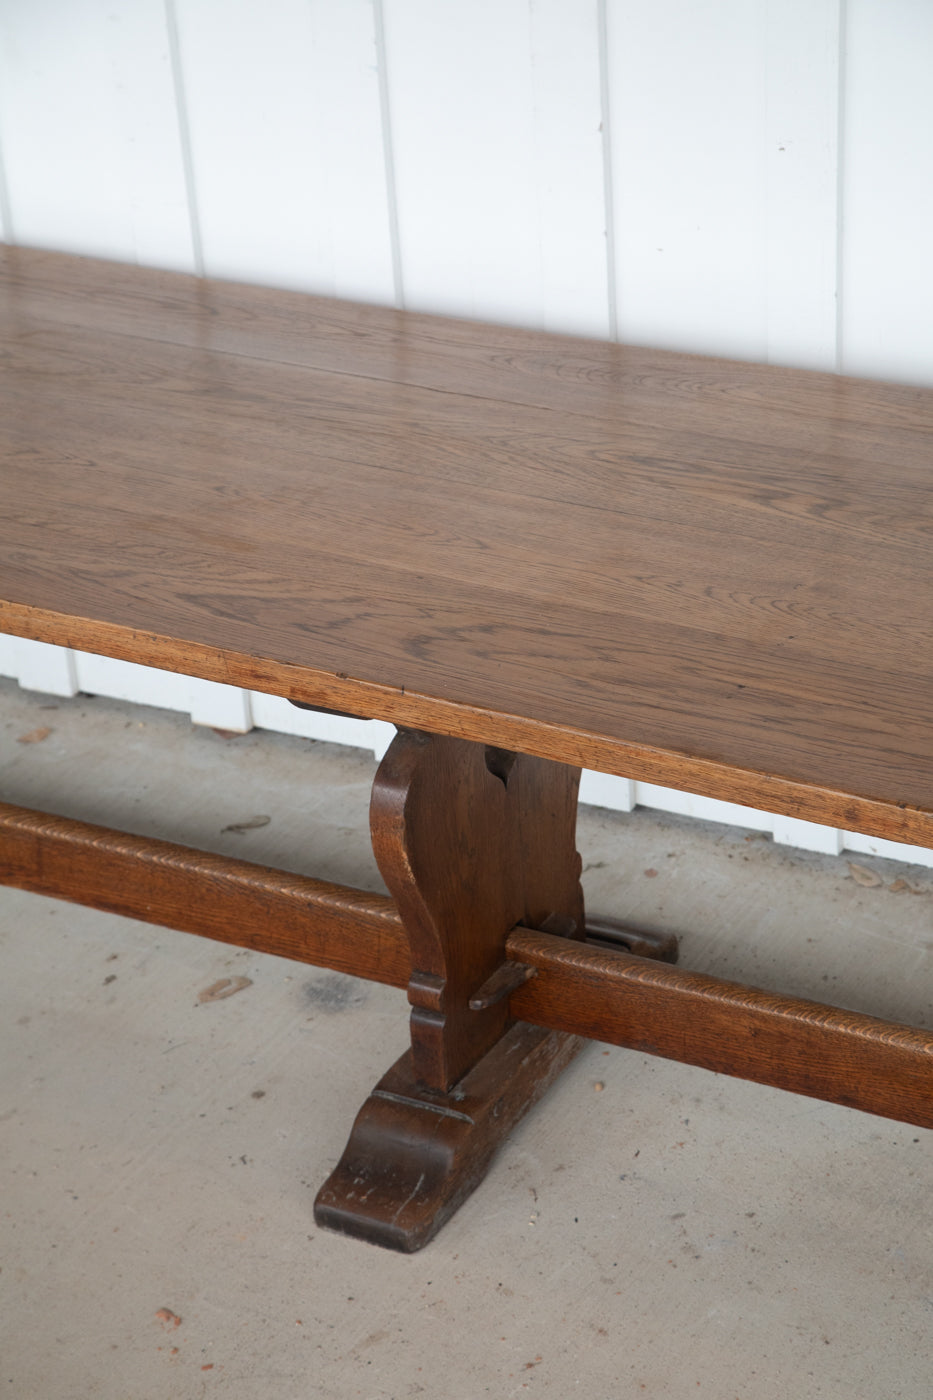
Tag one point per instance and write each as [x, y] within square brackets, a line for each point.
[531, 553]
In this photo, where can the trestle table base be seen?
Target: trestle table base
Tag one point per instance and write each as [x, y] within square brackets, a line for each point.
[485, 927]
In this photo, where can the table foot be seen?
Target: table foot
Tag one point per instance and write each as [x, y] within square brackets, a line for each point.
[472, 841]
[416, 1154]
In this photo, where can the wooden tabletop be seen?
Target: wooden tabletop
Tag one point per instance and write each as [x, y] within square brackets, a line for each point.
[712, 575]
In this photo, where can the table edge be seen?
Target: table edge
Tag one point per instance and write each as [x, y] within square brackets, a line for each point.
[762, 791]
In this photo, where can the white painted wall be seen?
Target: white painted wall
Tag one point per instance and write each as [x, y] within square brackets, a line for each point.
[751, 178]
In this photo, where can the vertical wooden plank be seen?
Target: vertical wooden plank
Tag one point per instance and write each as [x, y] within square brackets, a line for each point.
[567, 164]
[6, 217]
[688, 113]
[90, 140]
[122, 680]
[9, 657]
[887, 216]
[46, 668]
[38, 666]
[808, 836]
[495, 111]
[723, 138]
[709, 809]
[271, 712]
[604, 790]
[890, 850]
[220, 706]
[801, 153]
[286, 143]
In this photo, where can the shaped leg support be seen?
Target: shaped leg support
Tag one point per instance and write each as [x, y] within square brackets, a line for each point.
[470, 841]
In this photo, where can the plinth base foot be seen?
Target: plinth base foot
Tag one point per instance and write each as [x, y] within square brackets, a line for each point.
[416, 1154]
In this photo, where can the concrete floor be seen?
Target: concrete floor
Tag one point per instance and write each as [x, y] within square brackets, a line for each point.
[650, 1229]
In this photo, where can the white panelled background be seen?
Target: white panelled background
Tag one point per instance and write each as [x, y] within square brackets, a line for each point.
[751, 178]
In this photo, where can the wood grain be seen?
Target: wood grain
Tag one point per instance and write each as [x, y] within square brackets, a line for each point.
[822, 1051]
[415, 1154]
[234, 901]
[703, 574]
[843, 1056]
[470, 842]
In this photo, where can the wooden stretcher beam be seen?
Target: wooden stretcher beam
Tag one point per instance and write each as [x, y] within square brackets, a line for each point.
[805, 1046]
[216, 896]
[586, 989]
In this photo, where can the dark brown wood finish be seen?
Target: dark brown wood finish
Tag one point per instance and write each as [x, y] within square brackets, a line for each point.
[584, 989]
[707, 574]
[415, 1154]
[470, 842]
[530, 552]
[804, 1046]
[234, 901]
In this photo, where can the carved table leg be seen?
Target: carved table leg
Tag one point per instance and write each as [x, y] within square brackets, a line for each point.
[470, 841]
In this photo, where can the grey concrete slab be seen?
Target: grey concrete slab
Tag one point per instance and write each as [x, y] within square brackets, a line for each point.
[650, 1230]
